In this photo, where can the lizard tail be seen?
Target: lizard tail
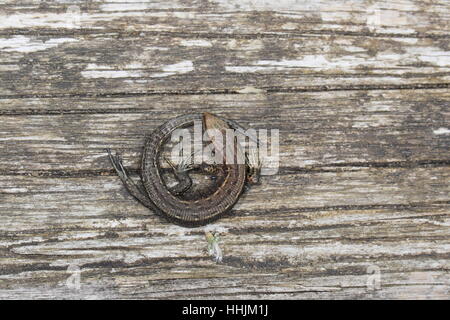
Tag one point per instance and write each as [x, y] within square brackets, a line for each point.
[131, 186]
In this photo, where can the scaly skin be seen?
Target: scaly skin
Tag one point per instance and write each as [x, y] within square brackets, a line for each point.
[156, 195]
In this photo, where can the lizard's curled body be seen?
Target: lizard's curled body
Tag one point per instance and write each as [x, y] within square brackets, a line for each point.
[160, 199]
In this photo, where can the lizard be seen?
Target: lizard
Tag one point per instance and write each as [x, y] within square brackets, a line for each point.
[157, 197]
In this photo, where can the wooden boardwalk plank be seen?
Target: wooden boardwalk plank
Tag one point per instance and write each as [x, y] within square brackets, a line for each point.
[316, 129]
[230, 17]
[319, 225]
[358, 90]
[103, 64]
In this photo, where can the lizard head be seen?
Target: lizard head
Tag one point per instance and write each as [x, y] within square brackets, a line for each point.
[254, 175]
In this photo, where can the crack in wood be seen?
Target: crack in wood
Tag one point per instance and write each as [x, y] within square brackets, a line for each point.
[216, 35]
[215, 91]
[331, 167]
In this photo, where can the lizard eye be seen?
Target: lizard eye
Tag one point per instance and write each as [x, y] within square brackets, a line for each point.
[253, 179]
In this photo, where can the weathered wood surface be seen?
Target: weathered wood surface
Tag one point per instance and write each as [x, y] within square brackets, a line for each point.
[358, 89]
[146, 47]
[144, 64]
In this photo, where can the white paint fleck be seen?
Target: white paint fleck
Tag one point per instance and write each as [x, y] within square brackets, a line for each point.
[370, 121]
[251, 90]
[220, 229]
[157, 48]
[94, 70]
[135, 81]
[15, 190]
[254, 45]
[181, 67]
[130, 6]
[94, 66]
[9, 67]
[245, 45]
[243, 69]
[289, 26]
[162, 74]
[264, 5]
[441, 131]
[232, 44]
[110, 74]
[308, 61]
[183, 15]
[376, 107]
[173, 69]
[196, 43]
[134, 65]
[354, 49]
[32, 138]
[26, 45]
[408, 40]
[432, 55]
[71, 19]
[171, 230]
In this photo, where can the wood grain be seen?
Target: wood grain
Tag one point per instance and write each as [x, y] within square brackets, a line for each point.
[234, 18]
[99, 65]
[316, 129]
[318, 225]
[113, 48]
[358, 90]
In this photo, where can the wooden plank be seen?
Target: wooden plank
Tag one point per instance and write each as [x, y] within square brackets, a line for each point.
[24, 197]
[322, 229]
[223, 17]
[103, 64]
[316, 129]
[358, 90]
[244, 285]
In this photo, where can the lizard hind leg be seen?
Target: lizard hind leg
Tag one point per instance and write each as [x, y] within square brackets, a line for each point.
[131, 186]
[181, 174]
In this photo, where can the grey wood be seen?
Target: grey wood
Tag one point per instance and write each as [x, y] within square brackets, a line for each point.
[358, 89]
